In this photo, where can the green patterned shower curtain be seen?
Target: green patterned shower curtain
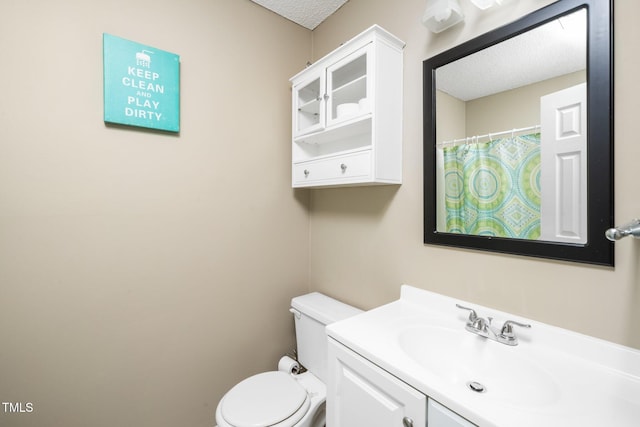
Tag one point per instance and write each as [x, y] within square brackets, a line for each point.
[493, 188]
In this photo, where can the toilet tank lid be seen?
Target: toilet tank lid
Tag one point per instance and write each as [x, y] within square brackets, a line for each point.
[322, 308]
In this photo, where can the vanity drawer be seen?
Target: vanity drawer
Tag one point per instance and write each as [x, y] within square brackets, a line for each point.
[332, 170]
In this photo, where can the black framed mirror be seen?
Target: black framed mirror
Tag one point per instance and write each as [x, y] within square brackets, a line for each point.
[518, 137]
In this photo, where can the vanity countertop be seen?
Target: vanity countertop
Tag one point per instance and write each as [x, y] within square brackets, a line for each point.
[553, 377]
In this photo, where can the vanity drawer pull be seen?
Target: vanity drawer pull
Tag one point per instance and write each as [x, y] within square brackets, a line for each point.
[407, 422]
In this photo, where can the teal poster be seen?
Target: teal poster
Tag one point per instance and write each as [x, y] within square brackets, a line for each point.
[141, 85]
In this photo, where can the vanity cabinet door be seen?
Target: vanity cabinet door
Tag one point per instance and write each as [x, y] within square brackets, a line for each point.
[440, 416]
[362, 394]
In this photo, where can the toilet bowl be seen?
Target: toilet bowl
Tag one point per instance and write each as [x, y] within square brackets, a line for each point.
[284, 399]
[277, 399]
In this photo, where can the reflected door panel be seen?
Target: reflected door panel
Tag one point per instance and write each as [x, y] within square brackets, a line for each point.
[563, 154]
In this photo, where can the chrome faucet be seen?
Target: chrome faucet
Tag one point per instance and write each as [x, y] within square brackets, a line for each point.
[483, 327]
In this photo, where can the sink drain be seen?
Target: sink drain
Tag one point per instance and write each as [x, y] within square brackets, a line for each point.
[476, 386]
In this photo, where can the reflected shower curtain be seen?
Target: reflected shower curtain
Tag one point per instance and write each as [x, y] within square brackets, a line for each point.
[493, 188]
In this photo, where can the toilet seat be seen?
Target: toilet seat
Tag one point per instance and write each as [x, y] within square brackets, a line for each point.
[266, 399]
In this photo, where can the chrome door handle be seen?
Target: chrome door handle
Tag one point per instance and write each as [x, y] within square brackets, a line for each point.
[407, 422]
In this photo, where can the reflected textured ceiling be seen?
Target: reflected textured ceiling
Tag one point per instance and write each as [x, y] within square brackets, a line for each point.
[308, 13]
[554, 49]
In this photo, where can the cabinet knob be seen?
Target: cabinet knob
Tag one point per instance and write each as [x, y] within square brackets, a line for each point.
[306, 172]
[343, 167]
[407, 422]
[326, 97]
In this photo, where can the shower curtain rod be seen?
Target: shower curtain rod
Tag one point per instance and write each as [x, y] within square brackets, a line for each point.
[474, 139]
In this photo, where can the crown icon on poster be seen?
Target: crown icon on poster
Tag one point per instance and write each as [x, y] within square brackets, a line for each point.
[143, 59]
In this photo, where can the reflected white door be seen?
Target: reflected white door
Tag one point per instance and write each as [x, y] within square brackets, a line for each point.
[563, 174]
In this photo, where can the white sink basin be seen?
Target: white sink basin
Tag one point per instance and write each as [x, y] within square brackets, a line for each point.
[552, 378]
[461, 357]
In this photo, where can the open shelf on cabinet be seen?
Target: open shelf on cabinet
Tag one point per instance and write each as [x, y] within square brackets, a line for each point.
[359, 125]
[308, 154]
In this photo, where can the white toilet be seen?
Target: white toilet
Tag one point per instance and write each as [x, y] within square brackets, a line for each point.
[282, 399]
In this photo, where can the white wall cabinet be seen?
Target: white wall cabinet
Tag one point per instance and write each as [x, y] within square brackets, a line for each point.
[359, 393]
[347, 114]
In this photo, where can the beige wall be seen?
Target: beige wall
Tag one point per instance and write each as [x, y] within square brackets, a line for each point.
[142, 274]
[451, 120]
[515, 108]
[365, 242]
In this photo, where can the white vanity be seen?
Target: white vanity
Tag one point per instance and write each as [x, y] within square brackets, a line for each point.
[413, 363]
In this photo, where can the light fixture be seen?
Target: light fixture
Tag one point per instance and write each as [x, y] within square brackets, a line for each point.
[483, 4]
[441, 14]
[486, 4]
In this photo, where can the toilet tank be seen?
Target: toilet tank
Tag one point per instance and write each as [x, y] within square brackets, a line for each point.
[313, 312]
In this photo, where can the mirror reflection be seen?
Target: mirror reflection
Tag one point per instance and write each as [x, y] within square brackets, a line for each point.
[511, 137]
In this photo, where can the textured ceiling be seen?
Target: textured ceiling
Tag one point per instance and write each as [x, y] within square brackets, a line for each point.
[551, 50]
[308, 13]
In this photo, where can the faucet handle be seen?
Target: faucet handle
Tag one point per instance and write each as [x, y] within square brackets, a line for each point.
[480, 325]
[507, 335]
[472, 315]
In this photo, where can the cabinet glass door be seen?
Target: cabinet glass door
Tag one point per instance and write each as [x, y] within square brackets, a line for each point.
[309, 105]
[347, 87]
